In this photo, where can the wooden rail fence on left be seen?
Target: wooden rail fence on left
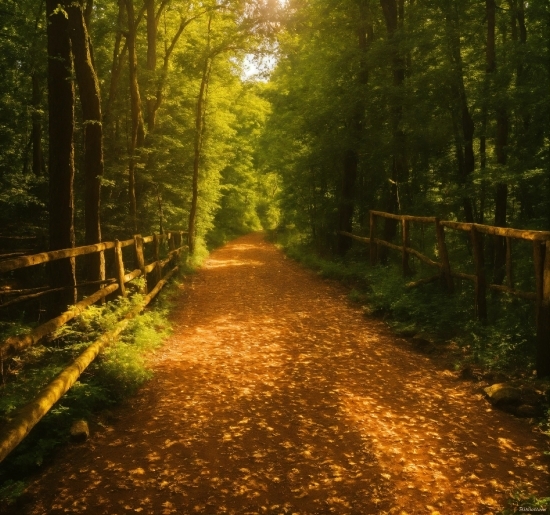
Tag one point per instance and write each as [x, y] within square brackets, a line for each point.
[27, 417]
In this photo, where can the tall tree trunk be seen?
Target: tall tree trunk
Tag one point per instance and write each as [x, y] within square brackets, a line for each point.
[346, 207]
[90, 99]
[38, 162]
[38, 165]
[351, 156]
[119, 57]
[61, 151]
[501, 141]
[399, 167]
[117, 64]
[199, 128]
[151, 61]
[88, 9]
[462, 120]
[138, 133]
[519, 37]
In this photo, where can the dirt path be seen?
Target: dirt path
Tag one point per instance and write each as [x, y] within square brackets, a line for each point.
[276, 395]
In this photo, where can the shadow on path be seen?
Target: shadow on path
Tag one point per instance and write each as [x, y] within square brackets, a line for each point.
[276, 395]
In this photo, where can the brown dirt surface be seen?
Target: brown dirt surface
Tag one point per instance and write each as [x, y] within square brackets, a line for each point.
[276, 395]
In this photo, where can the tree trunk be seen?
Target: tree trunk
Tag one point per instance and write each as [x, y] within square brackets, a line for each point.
[462, 120]
[345, 210]
[399, 169]
[351, 157]
[116, 66]
[198, 143]
[88, 9]
[38, 165]
[90, 99]
[138, 134]
[151, 61]
[61, 152]
[519, 37]
[501, 141]
[198, 147]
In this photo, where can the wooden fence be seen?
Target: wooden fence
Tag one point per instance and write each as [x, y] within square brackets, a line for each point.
[541, 257]
[28, 416]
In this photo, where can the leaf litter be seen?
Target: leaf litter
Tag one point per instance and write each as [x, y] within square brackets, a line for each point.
[276, 395]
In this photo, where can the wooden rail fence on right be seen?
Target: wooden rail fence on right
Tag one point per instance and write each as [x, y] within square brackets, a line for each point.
[541, 257]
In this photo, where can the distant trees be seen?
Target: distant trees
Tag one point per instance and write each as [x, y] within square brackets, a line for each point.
[453, 91]
[123, 80]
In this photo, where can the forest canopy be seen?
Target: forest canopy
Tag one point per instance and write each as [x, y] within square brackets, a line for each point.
[125, 117]
[129, 116]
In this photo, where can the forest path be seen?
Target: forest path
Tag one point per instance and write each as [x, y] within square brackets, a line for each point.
[276, 395]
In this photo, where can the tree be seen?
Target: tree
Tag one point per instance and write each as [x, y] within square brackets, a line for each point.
[61, 100]
[90, 99]
[463, 125]
[137, 136]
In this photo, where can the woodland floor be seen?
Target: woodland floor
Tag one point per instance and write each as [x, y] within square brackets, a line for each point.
[275, 394]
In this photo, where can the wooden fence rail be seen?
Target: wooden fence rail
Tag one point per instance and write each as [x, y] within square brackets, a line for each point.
[28, 416]
[541, 254]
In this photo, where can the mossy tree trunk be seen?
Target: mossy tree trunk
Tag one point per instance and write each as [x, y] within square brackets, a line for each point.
[61, 152]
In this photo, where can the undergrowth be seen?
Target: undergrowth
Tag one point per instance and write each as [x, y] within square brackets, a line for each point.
[506, 343]
[115, 375]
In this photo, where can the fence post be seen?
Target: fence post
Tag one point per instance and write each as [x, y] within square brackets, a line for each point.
[541, 254]
[509, 273]
[480, 283]
[171, 245]
[140, 260]
[444, 256]
[158, 271]
[406, 243]
[119, 265]
[373, 244]
[102, 272]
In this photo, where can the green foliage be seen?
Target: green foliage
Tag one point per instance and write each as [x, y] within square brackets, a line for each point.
[507, 343]
[112, 377]
[317, 84]
[10, 491]
[521, 498]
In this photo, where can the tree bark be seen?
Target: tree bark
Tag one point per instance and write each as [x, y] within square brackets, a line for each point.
[399, 168]
[138, 133]
[346, 208]
[38, 165]
[118, 60]
[61, 152]
[501, 141]
[351, 155]
[151, 60]
[199, 121]
[88, 9]
[199, 127]
[462, 120]
[90, 99]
